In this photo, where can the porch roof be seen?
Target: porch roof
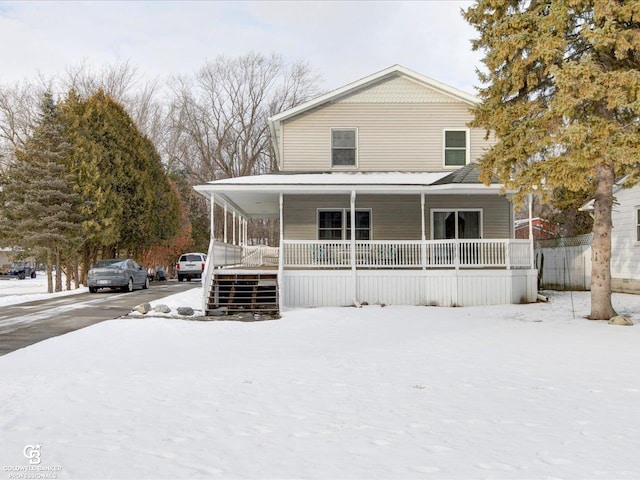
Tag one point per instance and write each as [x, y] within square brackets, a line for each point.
[258, 195]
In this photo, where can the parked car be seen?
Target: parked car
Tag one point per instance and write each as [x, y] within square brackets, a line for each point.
[160, 275]
[117, 273]
[22, 269]
[190, 265]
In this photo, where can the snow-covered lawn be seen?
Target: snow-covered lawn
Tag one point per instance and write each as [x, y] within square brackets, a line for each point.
[13, 291]
[519, 391]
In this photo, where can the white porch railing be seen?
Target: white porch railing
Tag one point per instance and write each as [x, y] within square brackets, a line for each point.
[473, 253]
[259, 256]
[220, 254]
[476, 253]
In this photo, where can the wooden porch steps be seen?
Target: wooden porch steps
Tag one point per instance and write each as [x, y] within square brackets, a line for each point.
[243, 293]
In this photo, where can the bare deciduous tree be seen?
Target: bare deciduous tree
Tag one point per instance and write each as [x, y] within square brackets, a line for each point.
[18, 111]
[127, 86]
[219, 118]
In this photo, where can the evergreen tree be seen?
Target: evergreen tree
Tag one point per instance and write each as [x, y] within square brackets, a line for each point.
[561, 93]
[128, 203]
[39, 208]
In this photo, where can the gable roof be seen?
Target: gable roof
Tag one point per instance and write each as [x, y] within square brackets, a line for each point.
[362, 84]
[351, 88]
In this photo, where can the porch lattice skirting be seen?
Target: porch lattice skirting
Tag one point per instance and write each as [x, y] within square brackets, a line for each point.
[317, 288]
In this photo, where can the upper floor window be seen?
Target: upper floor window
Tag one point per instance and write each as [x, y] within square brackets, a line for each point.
[456, 148]
[344, 143]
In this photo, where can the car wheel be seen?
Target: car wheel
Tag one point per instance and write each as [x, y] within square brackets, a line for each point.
[146, 283]
[188, 279]
[33, 274]
[93, 289]
[129, 287]
[180, 278]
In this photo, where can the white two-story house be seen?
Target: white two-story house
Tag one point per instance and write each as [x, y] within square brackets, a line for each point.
[379, 201]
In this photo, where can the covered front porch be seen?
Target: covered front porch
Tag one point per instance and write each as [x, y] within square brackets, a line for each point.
[349, 261]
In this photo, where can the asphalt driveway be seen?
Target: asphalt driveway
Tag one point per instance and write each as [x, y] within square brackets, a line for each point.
[28, 323]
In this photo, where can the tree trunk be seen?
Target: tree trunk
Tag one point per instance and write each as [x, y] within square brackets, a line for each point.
[49, 273]
[58, 271]
[601, 307]
[76, 272]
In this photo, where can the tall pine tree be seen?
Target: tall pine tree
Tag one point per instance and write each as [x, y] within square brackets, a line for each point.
[561, 91]
[39, 209]
[128, 205]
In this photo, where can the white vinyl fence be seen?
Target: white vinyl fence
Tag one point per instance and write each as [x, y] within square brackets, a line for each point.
[564, 263]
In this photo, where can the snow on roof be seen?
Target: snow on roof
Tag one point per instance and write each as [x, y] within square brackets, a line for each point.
[336, 178]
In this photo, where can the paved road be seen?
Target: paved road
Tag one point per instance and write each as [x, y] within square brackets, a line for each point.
[28, 323]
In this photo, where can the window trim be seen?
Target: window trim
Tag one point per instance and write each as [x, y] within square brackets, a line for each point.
[345, 212]
[467, 138]
[343, 167]
[456, 210]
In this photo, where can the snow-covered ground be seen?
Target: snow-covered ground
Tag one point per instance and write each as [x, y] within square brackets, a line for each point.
[13, 291]
[518, 391]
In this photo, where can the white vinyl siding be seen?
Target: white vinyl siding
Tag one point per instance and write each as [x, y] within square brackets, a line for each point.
[625, 247]
[391, 137]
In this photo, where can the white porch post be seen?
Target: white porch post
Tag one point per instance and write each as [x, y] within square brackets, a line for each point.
[281, 259]
[225, 222]
[531, 247]
[423, 249]
[354, 273]
[233, 228]
[210, 265]
[211, 214]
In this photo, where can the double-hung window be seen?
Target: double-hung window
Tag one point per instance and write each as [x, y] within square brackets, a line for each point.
[456, 148]
[336, 224]
[450, 224]
[344, 147]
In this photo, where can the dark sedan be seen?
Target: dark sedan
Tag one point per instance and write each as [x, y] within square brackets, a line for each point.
[117, 273]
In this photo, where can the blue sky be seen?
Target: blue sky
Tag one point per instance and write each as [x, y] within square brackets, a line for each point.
[343, 41]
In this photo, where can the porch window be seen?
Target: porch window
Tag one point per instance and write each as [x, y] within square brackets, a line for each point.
[450, 224]
[456, 151]
[363, 225]
[336, 224]
[343, 147]
[330, 225]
